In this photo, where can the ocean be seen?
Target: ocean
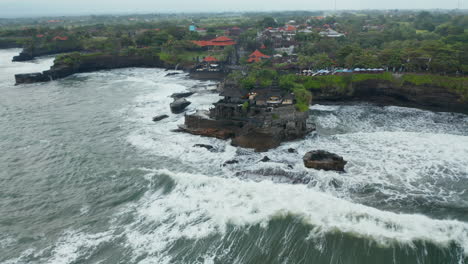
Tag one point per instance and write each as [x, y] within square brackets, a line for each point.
[86, 176]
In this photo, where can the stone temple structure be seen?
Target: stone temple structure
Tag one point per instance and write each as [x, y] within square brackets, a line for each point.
[260, 119]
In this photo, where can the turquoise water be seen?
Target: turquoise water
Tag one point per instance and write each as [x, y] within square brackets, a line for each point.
[87, 177]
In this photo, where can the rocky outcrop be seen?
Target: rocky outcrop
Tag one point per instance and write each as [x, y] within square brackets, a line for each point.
[31, 53]
[259, 128]
[207, 75]
[323, 160]
[179, 105]
[208, 147]
[291, 150]
[31, 78]
[230, 162]
[9, 43]
[159, 118]
[384, 92]
[181, 95]
[172, 74]
[91, 63]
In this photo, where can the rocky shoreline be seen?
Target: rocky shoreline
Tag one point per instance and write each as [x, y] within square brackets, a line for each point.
[89, 64]
[106, 62]
[31, 54]
[381, 92]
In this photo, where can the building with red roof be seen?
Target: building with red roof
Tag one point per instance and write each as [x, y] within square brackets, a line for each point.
[39, 36]
[222, 41]
[290, 28]
[210, 59]
[60, 38]
[234, 31]
[257, 56]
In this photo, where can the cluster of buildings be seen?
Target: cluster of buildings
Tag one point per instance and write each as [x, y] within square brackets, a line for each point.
[340, 71]
[56, 38]
[234, 31]
[284, 40]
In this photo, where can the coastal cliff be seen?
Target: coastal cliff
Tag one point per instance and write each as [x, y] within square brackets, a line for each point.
[9, 43]
[77, 63]
[30, 53]
[425, 96]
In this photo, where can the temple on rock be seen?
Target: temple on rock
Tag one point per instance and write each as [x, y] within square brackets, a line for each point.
[261, 118]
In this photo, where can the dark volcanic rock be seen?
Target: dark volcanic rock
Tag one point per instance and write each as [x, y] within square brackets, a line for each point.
[291, 150]
[230, 162]
[23, 57]
[200, 124]
[28, 54]
[159, 118]
[259, 131]
[425, 96]
[94, 63]
[179, 105]
[257, 139]
[181, 95]
[265, 159]
[208, 147]
[323, 160]
[31, 78]
[172, 73]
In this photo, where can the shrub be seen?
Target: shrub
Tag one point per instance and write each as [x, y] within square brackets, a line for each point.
[303, 99]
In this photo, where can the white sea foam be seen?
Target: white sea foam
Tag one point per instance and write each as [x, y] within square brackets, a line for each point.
[402, 163]
[8, 68]
[74, 244]
[199, 206]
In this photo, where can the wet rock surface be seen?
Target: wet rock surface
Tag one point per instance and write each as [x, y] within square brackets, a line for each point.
[230, 162]
[179, 105]
[291, 150]
[208, 147]
[159, 118]
[323, 160]
[181, 95]
[173, 73]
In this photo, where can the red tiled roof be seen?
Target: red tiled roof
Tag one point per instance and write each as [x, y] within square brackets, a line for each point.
[257, 56]
[219, 41]
[290, 28]
[60, 38]
[210, 59]
[39, 36]
[263, 46]
[236, 28]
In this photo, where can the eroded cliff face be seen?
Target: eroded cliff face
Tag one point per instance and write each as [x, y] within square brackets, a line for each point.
[89, 64]
[30, 53]
[259, 128]
[388, 93]
[9, 43]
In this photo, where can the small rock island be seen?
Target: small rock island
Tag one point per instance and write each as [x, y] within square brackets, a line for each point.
[260, 118]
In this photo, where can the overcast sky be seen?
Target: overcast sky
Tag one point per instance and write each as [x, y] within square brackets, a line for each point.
[14, 8]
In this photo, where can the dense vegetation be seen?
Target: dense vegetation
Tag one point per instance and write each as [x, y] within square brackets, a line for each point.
[424, 48]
